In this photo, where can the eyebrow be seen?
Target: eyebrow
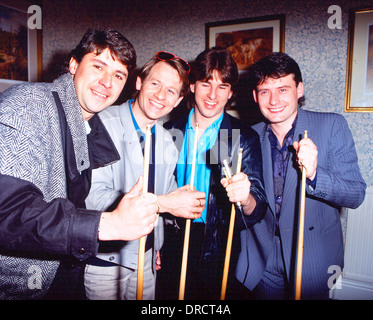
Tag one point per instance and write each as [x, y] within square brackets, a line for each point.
[105, 64]
[155, 78]
[225, 84]
[284, 86]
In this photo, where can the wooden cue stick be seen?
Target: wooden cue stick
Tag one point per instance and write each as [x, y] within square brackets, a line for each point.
[187, 224]
[142, 241]
[230, 236]
[298, 282]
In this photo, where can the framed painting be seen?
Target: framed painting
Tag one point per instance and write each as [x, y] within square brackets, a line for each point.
[249, 39]
[359, 79]
[20, 46]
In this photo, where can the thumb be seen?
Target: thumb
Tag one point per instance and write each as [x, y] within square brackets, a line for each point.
[224, 182]
[136, 189]
[186, 187]
[296, 145]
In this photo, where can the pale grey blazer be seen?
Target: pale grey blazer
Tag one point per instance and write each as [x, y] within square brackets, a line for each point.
[111, 182]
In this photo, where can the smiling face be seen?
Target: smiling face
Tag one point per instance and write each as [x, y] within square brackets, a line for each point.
[158, 94]
[278, 101]
[211, 97]
[99, 80]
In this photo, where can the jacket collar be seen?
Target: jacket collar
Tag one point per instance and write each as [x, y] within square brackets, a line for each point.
[302, 124]
[102, 150]
[64, 85]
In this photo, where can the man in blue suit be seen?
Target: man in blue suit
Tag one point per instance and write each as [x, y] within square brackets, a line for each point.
[267, 261]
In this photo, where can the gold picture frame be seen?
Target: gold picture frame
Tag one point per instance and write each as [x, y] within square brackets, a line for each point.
[248, 39]
[27, 61]
[359, 78]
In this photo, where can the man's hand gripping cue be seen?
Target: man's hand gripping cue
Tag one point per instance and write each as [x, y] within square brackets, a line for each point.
[133, 218]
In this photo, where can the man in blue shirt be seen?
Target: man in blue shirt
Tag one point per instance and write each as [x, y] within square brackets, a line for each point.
[220, 136]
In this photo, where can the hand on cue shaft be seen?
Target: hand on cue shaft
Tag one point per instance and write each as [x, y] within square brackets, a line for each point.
[183, 203]
[133, 218]
[238, 190]
[307, 154]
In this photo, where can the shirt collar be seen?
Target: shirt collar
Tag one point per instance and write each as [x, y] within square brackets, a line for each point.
[215, 125]
[135, 122]
[288, 137]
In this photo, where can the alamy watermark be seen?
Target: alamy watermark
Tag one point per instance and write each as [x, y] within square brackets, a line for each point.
[167, 153]
[335, 20]
[34, 21]
[34, 281]
[333, 282]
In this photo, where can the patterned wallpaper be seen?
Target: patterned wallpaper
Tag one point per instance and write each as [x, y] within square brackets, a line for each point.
[179, 26]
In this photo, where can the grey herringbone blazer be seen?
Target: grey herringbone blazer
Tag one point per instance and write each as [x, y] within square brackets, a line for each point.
[31, 149]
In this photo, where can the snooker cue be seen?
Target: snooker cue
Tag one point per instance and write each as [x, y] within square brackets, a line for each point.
[142, 241]
[298, 282]
[230, 235]
[187, 224]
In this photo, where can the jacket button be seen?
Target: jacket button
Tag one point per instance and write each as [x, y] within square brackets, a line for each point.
[81, 250]
[111, 258]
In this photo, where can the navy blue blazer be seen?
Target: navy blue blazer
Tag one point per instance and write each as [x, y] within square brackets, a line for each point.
[339, 184]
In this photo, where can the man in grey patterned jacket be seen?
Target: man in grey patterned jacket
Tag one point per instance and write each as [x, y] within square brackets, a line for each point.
[50, 140]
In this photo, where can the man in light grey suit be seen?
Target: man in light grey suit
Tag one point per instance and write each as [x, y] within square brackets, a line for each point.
[267, 261]
[161, 84]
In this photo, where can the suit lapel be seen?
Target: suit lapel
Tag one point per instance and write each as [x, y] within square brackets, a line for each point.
[302, 125]
[290, 207]
[293, 176]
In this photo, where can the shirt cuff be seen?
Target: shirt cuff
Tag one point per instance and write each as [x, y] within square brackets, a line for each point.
[84, 237]
[312, 183]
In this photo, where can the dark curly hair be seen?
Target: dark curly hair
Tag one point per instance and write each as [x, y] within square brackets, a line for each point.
[276, 65]
[97, 41]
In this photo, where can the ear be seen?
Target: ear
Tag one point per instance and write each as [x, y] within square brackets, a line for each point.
[178, 101]
[138, 83]
[255, 96]
[73, 65]
[300, 90]
[192, 88]
[230, 94]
